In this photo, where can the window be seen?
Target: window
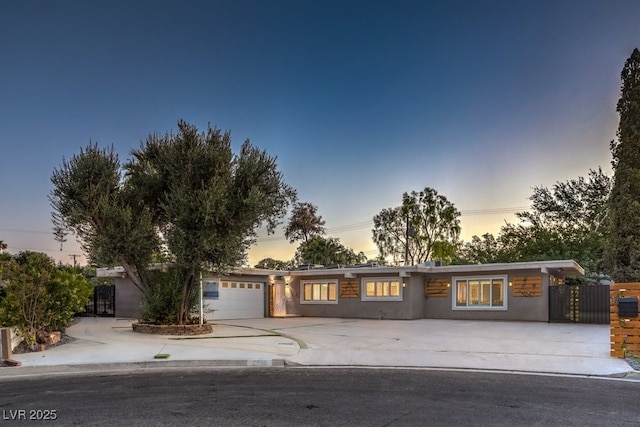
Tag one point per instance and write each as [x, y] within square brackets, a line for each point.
[210, 290]
[480, 293]
[381, 289]
[319, 292]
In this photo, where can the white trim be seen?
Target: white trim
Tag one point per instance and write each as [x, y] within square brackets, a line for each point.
[454, 293]
[363, 288]
[327, 282]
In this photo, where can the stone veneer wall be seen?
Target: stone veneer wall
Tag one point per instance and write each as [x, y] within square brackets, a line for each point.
[146, 328]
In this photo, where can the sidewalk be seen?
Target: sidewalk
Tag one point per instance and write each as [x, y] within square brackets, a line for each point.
[505, 346]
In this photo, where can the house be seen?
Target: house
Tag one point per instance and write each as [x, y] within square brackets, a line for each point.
[504, 291]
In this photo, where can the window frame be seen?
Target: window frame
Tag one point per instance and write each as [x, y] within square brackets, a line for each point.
[328, 282]
[363, 288]
[490, 278]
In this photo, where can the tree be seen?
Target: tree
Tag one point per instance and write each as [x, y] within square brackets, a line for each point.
[415, 228]
[40, 297]
[327, 251]
[304, 223]
[59, 230]
[273, 264]
[622, 253]
[566, 221]
[481, 250]
[4, 256]
[185, 196]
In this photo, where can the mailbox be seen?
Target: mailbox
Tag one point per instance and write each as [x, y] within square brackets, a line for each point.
[628, 307]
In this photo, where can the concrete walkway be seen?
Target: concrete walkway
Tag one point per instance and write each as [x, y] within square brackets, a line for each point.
[101, 343]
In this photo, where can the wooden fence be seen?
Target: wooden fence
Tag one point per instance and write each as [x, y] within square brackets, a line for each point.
[625, 330]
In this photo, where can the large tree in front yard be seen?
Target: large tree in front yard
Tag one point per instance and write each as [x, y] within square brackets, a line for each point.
[184, 197]
[622, 255]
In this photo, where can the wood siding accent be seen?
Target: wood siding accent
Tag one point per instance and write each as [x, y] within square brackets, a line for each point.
[526, 286]
[625, 331]
[436, 288]
[349, 289]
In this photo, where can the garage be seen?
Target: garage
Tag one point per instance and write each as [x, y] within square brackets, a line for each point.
[233, 299]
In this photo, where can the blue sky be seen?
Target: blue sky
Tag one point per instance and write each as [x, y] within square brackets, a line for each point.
[359, 100]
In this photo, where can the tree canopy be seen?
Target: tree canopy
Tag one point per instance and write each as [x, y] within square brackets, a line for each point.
[566, 221]
[425, 226]
[305, 223]
[274, 264]
[184, 197]
[328, 252]
[622, 255]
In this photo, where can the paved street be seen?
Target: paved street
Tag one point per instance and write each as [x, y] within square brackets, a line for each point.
[320, 397]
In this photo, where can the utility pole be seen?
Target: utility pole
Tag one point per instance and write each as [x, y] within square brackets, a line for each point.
[74, 260]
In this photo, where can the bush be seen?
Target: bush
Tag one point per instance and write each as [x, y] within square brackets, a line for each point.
[40, 297]
[162, 301]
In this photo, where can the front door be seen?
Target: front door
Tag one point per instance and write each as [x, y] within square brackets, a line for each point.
[278, 303]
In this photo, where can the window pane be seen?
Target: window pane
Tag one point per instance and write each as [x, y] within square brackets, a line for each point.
[371, 289]
[395, 289]
[474, 292]
[324, 292]
[485, 289]
[461, 293]
[332, 291]
[497, 298]
[307, 291]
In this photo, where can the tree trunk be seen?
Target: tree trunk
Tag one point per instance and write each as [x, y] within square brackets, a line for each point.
[187, 288]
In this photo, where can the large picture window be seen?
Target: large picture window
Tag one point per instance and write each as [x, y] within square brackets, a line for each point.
[480, 293]
[382, 289]
[319, 292]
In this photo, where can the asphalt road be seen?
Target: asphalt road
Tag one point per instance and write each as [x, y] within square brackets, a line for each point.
[318, 397]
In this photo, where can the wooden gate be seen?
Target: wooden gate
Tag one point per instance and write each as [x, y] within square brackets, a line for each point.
[579, 303]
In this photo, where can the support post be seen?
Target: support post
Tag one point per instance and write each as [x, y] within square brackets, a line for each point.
[5, 339]
[201, 301]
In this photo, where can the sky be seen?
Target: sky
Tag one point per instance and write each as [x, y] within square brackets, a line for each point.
[360, 101]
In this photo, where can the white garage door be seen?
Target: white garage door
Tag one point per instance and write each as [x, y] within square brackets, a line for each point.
[225, 299]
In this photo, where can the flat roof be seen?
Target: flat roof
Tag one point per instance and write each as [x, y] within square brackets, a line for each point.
[559, 268]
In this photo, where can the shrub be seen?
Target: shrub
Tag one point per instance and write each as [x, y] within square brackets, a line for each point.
[163, 299]
[40, 297]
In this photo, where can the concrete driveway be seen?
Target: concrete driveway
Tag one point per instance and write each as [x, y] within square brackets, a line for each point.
[486, 345]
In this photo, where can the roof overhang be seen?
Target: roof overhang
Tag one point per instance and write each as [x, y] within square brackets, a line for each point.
[561, 269]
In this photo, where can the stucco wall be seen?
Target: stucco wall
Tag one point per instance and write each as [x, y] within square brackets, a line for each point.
[409, 308]
[518, 308]
[127, 299]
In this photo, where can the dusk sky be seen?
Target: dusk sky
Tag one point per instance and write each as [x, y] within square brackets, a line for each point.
[359, 100]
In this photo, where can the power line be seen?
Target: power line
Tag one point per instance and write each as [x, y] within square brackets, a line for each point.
[338, 229]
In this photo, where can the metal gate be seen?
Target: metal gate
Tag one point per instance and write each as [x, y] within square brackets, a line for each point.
[103, 302]
[579, 303]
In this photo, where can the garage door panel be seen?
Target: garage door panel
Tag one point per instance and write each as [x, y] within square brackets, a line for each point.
[236, 300]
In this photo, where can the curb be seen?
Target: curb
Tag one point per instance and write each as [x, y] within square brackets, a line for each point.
[9, 373]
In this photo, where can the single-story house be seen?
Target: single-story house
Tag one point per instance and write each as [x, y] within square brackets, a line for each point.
[504, 291]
